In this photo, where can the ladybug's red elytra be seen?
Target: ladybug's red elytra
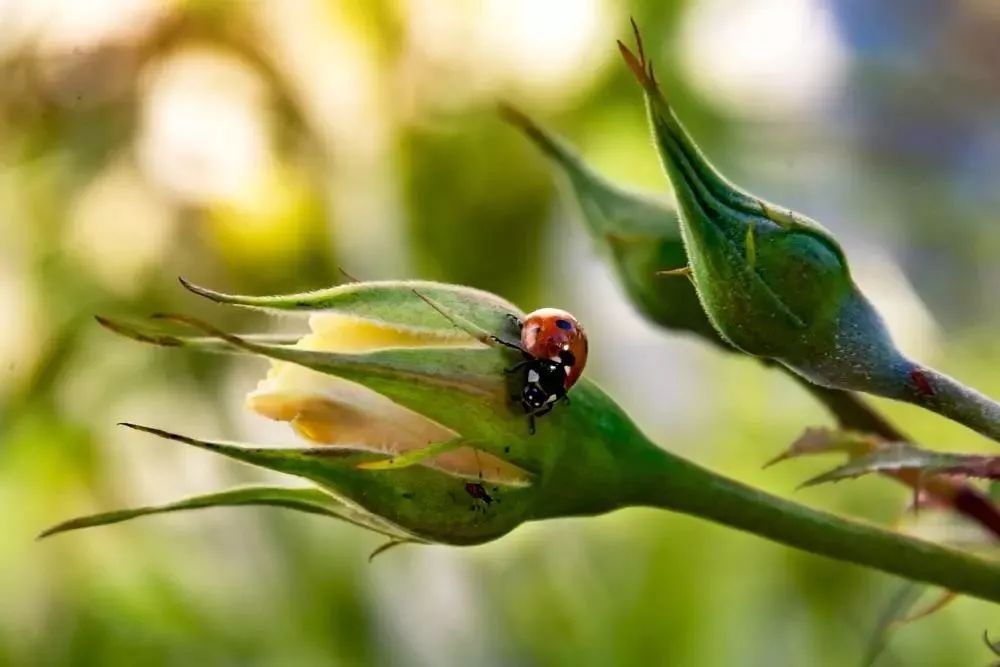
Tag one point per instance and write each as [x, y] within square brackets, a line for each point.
[554, 346]
[551, 333]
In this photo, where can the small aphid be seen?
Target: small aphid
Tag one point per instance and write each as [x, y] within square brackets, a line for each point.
[480, 498]
[554, 346]
[478, 491]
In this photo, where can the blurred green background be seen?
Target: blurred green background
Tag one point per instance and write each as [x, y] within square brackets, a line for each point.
[256, 146]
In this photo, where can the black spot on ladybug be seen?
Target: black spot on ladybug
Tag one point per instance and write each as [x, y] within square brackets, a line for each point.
[564, 325]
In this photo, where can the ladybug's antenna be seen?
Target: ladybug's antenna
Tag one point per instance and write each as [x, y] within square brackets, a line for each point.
[465, 325]
[479, 464]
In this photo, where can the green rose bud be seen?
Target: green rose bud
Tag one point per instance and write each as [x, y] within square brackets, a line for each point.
[640, 235]
[401, 393]
[776, 284]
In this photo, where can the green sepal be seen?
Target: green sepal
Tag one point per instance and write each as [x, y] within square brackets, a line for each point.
[411, 502]
[393, 303]
[308, 500]
[640, 233]
[414, 456]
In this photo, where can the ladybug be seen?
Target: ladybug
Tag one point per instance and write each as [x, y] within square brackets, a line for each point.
[554, 346]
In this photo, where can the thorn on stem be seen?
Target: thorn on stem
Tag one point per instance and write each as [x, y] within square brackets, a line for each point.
[348, 276]
[684, 271]
[921, 382]
[994, 647]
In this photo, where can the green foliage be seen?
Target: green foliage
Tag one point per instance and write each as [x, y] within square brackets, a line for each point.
[586, 458]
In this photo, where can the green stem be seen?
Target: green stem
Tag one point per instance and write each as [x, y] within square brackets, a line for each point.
[950, 398]
[659, 479]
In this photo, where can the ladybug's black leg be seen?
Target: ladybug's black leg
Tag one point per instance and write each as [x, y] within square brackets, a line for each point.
[565, 398]
[516, 367]
[500, 341]
[531, 424]
[515, 320]
[544, 411]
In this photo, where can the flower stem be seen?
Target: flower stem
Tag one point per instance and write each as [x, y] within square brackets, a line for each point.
[662, 480]
[950, 398]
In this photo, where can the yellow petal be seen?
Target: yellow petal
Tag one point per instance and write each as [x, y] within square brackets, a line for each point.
[332, 332]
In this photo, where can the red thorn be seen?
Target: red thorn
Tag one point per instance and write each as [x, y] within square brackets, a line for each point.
[921, 382]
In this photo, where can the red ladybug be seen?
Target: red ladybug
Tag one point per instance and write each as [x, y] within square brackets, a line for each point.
[554, 346]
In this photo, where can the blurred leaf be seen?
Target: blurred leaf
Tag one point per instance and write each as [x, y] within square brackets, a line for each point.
[897, 612]
[824, 441]
[477, 208]
[897, 607]
[904, 456]
[943, 599]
